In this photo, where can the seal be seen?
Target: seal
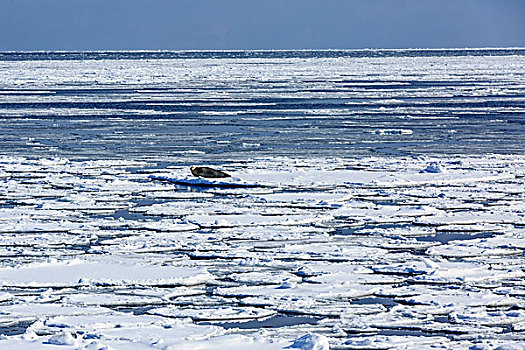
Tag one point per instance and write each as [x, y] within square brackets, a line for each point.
[204, 171]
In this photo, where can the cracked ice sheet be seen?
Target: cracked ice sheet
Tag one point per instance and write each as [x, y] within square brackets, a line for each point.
[312, 200]
[445, 301]
[383, 214]
[125, 331]
[223, 313]
[272, 233]
[341, 290]
[154, 337]
[31, 226]
[179, 208]
[216, 207]
[458, 272]
[110, 299]
[145, 334]
[164, 226]
[473, 218]
[488, 318]
[469, 250]
[218, 221]
[14, 215]
[43, 310]
[76, 273]
[381, 342]
[330, 250]
[403, 231]
[326, 273]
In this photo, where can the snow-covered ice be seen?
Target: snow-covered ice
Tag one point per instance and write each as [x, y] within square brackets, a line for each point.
[365, 255]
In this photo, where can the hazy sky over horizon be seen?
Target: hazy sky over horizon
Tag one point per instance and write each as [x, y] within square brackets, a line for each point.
[259, 24]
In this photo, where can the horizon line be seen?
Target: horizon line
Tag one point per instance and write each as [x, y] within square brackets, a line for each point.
[269, 50]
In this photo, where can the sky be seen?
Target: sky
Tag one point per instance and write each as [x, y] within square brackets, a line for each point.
[259, 24]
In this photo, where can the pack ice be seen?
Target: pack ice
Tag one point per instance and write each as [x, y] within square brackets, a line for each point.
[336, 253]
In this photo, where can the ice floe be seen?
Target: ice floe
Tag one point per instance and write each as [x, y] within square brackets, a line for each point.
[225, 313]
[83, 273]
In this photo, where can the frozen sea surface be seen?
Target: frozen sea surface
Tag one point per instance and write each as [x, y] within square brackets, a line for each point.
[372, 252]
[376, 200]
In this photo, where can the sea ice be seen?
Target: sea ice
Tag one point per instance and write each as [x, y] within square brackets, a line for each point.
[364, 252]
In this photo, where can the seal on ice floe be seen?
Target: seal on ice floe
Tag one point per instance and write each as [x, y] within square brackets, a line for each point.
[204, 171]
